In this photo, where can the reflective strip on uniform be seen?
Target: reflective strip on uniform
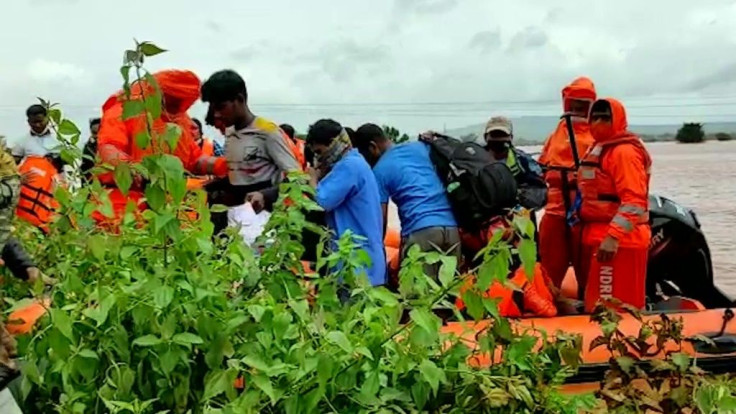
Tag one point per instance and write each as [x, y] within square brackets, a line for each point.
[631, 208]
[597, 150]
[587, 173]
[625, 223]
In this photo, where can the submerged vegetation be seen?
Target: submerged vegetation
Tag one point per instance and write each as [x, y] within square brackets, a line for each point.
[159, 316]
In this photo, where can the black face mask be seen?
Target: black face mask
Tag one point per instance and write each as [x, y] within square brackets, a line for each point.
[498, 146]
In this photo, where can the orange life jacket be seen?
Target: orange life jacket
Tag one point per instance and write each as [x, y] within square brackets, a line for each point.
[557, 155]
[530, 297]
[600, 201]
[208, 147]
[37, 204]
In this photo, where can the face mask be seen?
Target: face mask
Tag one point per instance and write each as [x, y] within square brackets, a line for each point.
[497, 146]
[602, 131]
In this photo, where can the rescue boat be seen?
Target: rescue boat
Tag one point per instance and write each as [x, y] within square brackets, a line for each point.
[679, 284]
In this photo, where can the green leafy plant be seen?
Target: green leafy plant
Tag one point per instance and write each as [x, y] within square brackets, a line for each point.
[395, 135]
[671, 384]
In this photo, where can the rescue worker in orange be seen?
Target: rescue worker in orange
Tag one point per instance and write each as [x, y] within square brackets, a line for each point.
[299, 144]
[613, 182]
[117, 137]
[559, 244]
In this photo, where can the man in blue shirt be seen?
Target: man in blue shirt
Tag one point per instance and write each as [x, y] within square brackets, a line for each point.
[347, 191]
[406, 175]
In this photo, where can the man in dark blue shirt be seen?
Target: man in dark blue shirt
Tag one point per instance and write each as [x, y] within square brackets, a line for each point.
[347, 191]
[406, 175]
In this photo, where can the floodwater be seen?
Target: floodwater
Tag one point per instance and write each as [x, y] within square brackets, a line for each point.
[701, 177]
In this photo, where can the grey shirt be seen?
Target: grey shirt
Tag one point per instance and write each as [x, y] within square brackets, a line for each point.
[258, 153]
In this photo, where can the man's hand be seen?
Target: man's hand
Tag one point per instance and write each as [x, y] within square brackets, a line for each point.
[607, 250]
[313, 176]
[256, 200]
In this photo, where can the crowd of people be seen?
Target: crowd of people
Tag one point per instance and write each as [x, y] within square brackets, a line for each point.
[591, 180]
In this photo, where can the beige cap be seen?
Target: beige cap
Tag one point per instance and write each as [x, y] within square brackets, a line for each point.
[500, 123]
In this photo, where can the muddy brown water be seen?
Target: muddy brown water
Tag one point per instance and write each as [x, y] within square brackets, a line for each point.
[701, 177]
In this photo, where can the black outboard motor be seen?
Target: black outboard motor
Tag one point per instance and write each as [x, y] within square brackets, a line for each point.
[679, 257]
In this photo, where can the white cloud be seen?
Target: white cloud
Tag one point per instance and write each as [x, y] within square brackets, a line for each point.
[42, 70]
[381, 61]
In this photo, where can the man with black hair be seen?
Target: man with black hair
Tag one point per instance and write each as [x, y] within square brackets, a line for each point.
[258, 153]
[90, 148]
[405, 174]
[40, 139]
[347, 191]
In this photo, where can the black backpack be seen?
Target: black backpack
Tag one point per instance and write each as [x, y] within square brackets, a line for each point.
[478, 187]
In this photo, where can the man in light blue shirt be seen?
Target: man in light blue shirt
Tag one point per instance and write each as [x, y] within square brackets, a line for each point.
[406, 175]
[348, 192]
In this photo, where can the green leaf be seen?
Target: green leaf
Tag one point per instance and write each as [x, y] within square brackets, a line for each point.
[161, 220]
[96, 245]
[132, 109]
[149, 49]
[447, 270]
[432, 374]
[218, 208]
[264, 383]
[163, 296]
[171, 136]
[371, 385]
[338, 338]
[88, 353]
[187, 338]
[68, 127]
[155, 197]
[256, 362]
[216, 383]
[625, 363]
[123, 177]
[147, 340]
[63, 323]
[528, 254]
[474, 304]
[425, 319]
[420, 394]
[125, 73]
[126, 252]
[383, 295]
[142, 140]
[681, 360]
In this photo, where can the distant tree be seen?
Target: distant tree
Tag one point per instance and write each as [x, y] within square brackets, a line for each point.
[395, 135]
[690, 133]
[722, 136]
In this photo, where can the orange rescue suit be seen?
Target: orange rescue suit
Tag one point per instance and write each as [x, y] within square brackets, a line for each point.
[117, 137]
[559, 245]
[37, 204]
[614, 185]
[533, 297]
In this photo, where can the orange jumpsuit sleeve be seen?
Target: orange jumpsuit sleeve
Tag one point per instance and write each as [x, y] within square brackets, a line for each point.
[627, 166]
[113, 137]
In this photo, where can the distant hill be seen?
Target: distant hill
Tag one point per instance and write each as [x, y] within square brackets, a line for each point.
[530, 130]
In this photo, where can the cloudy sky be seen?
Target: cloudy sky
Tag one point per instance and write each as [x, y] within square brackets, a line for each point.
[416, 64]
